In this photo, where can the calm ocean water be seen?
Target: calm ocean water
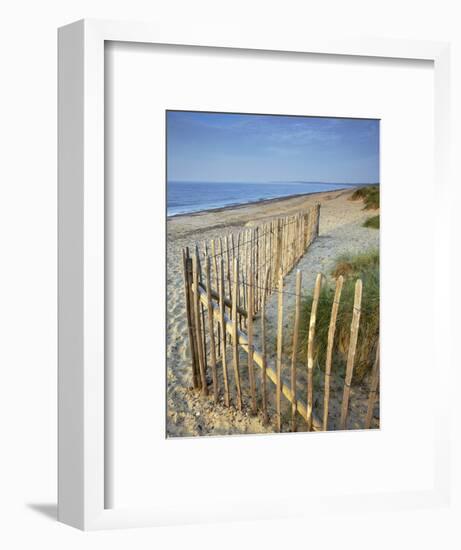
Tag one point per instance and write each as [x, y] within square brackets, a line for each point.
[186, 197]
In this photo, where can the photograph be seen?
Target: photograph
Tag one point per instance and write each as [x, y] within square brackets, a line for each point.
[273, 273]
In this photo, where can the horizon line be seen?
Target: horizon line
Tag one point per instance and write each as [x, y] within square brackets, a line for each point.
[275, 181]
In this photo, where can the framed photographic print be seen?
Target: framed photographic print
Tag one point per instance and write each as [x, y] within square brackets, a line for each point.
[235, 245]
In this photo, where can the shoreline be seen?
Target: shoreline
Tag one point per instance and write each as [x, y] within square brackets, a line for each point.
[235, 206]
[191, 226]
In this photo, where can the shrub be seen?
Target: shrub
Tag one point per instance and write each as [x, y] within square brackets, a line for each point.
[366, 267]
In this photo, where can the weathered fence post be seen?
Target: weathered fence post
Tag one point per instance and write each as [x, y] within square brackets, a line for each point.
[264, 351]
[235, 343]
[279, 352]
[294, 355]
[373, 389]
[198, 328]
[251, 372]
[278, 250]
[223, 333]
[351, 354]
[211, 329]
[331, 338]
[216, 283]
[317, 219]
[202, 308]
[187, 266]
[229, 272]
[306, 217]
[310, 351]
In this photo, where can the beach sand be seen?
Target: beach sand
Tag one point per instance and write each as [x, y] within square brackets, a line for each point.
[340, 232]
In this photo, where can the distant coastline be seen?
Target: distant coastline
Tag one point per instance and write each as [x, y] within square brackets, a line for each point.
[239, 205]
[235, 197]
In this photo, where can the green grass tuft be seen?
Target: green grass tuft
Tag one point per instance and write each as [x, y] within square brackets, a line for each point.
[366, 267]
[369, 195]
[358, 194]
[372, 222]
[355, 265]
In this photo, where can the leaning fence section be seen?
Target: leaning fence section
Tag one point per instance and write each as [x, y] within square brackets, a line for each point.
[227, 283]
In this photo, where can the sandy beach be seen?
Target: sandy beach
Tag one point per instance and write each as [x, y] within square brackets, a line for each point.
[340, 232]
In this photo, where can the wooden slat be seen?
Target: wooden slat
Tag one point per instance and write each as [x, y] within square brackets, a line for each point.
[374, 382]
[241, 311]
[211, 329]
[294, 354]
[251, 372]
[239, 298]
[214, 261]
[200, 280]
[235, 351]
[223, 328]
[247, 252]
[264, 350]
[189, 313]
[310, 351]
[229, 270]
[277, 251]
[198, 328]
[317, 220]
[331, 338]
[279, 352]
[351, 354]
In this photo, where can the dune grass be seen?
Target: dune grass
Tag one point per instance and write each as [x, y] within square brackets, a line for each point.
[355, 265]
[369, 195]
[352, 267]
[358, 194]
[372, 222]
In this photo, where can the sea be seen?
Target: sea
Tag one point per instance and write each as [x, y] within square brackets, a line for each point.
[186, 197]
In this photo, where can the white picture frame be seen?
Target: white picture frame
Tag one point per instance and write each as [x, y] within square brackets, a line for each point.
[82, 465]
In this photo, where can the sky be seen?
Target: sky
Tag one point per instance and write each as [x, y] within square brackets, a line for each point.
[221, 147]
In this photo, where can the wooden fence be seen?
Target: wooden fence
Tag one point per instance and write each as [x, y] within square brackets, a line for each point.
[226, 291]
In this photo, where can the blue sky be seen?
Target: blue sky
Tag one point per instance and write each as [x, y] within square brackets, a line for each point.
[219, 147]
